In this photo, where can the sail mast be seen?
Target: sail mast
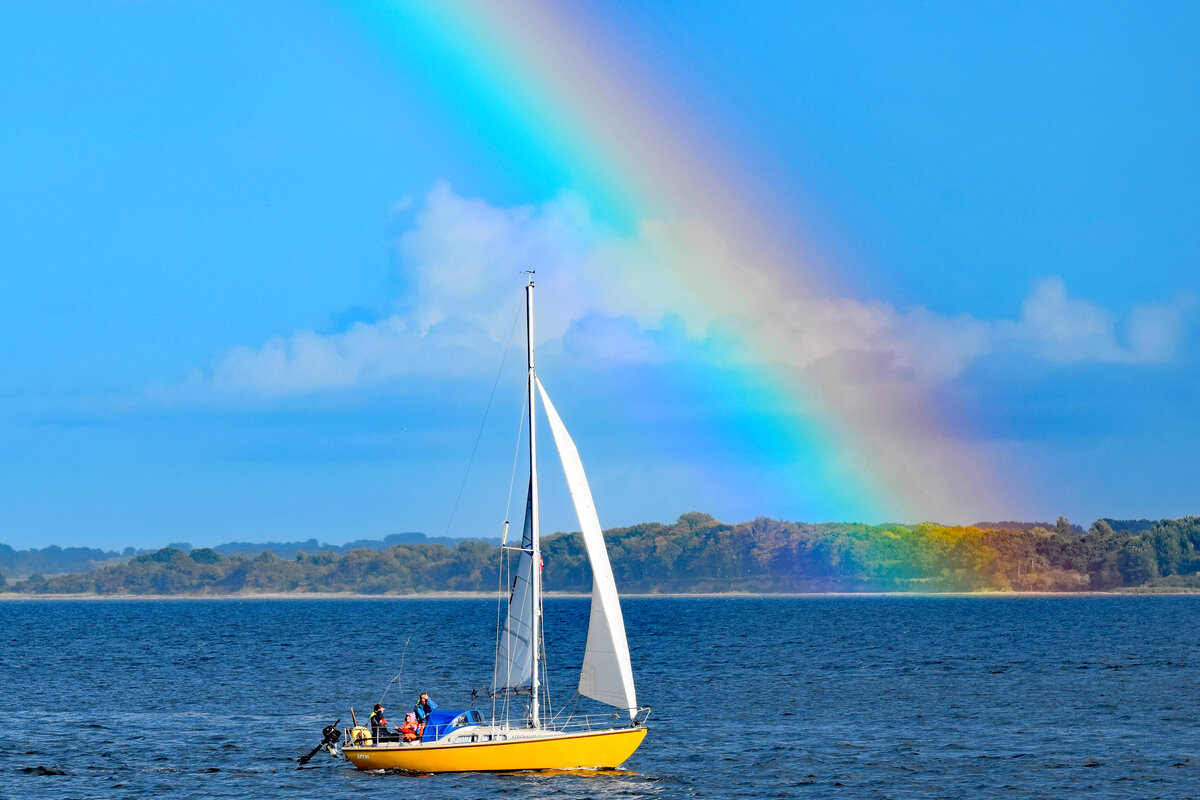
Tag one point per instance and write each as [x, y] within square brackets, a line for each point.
[535, 514]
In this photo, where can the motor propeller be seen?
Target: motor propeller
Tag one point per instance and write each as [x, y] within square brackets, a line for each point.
[330, 735]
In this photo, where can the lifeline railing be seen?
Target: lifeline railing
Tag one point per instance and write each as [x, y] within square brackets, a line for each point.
[428, 733]
[599, 722]
[572, 722]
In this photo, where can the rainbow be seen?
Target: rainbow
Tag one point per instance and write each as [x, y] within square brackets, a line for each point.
[556, 96]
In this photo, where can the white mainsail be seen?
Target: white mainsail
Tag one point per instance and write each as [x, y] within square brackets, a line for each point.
[606, 675]
[514, 662]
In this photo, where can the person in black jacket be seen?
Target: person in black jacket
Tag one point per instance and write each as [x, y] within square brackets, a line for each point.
[379, 729]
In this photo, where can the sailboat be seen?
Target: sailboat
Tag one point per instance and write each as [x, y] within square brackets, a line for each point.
[522, 733]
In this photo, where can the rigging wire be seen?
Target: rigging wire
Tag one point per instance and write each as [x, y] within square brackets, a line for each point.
[542, 654]
[398, 674]
[516, 456]
[483, 422]
[505, 560]
[501, 575]
[568, 709]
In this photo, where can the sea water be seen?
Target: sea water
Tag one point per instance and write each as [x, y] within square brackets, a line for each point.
[822, 697]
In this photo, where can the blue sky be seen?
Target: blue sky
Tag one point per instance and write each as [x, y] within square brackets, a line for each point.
[259, 265]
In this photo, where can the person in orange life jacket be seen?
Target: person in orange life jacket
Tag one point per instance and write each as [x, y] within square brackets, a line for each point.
[379, 729]
[423, 707]
[411, 730]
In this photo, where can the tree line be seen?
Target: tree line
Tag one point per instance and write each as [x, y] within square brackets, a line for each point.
[696, 554]
[54, 559]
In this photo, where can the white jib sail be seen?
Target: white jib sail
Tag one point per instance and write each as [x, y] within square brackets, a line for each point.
[606, 675]
[514, 661]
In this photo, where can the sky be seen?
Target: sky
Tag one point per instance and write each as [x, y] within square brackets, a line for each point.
[261, 265]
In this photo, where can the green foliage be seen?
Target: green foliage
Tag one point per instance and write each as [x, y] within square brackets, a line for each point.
[159, 556]
[206, 555]
[698, 554]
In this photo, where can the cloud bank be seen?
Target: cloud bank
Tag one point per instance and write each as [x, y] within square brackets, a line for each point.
[878, 379]
[627, 300]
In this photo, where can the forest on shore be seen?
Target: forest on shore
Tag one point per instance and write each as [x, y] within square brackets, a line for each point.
[695, 554]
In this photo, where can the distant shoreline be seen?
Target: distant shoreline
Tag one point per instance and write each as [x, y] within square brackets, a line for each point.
[19, 597]
[696, 556]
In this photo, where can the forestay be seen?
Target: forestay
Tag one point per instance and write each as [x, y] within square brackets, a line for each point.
[514, 661]
[606, 675]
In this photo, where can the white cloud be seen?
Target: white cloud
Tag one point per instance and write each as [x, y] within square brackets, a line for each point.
[366, 353]
[1060, 328]
[871, 377]
[463, 258]
[1156, 329]
[607, 296]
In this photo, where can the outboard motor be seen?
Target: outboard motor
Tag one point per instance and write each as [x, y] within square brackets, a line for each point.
[330, 735]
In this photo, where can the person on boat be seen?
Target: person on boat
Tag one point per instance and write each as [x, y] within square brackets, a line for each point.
[423, 707]
[379, 729]
[411, 730]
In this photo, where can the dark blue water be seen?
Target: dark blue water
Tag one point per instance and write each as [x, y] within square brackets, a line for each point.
[883, 697]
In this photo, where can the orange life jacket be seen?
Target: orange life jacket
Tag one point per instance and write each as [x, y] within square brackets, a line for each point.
[410, 731]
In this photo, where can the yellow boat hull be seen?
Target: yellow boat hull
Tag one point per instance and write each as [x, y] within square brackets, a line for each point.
[599, 749]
